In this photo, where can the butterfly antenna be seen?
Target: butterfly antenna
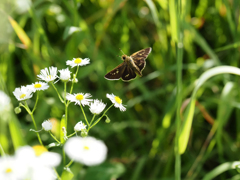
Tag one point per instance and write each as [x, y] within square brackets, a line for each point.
[122, 51]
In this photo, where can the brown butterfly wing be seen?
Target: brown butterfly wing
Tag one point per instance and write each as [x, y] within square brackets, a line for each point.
[128, 74]
[117, 72]
[140, 56]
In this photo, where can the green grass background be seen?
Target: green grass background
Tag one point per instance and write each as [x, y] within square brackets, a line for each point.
[187, 39]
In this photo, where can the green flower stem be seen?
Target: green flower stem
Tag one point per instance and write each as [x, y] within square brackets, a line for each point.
[179, 45]
[26, 108]
[66, 115]
[31, 114]
[64, 156]
[65, 92]
[69, 164]
[36, 102]
[74, 76]
[54, 137]
[72, 134]
[39, 139]
[57, 93]
[66, 103]
[84, 115]
[100, 117]
[58, 177]
[92, 119]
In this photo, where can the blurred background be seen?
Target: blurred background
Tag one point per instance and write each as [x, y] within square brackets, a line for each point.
[42, 33]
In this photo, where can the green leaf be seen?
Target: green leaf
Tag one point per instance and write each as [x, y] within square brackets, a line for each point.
[173, 19]
[220, 169]
[224, 111]
[16, 134]
[67, 174]
[63, 126]
[188, 116]
[20, 33]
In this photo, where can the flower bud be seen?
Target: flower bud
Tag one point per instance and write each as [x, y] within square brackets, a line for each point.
[47, 125]
[17, 110]
[84, 133]
[107, 120]
[74, 80]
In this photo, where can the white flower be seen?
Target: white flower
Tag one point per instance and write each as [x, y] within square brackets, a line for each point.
[5, 102]
[29, 163]
[47, 125]
[79, 126]
[48, 75]
[11, 169]
[65, 74]
[87, 150]
[116, 101]
[97, 106]
[22, 93]
[37, 86]
[78, 62]
[38, 162]
[79, 98]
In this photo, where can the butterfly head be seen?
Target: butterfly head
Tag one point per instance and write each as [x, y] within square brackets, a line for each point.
[124, 57]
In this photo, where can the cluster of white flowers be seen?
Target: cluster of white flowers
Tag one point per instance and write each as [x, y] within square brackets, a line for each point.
[86, 150]
[29, 163]
[97, 106]
[48, 75]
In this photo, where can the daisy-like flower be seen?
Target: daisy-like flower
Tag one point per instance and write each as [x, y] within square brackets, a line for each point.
[11, 169]
[47, 125]
[65, 74]
[87, 150]
[37, 86]
[96, 107]
[38, 162]
[22, 93]
[34, 163]
[116, 101]
[78, 62]
[48, 75]
[79, 98]
[79, 126]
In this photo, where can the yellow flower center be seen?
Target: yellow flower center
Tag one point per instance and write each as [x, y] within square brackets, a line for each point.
[118, 100]
[22, 96]
[86, 148]
[49, 76]
[37, 85]
[78, 61]
[38, 149]
[8, 170]
[79, 97]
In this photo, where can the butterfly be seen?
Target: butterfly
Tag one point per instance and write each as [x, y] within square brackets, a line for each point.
[131, 66]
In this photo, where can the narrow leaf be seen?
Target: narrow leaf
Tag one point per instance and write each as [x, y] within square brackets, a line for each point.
[20, 33]
[184, 136]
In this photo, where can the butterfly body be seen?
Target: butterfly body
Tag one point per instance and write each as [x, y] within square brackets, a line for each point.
[131, 66]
